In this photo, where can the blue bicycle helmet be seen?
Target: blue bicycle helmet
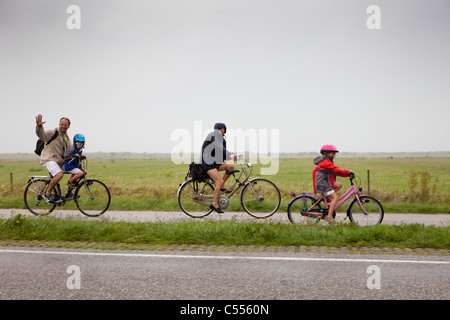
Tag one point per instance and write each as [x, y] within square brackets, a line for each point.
[79, 137]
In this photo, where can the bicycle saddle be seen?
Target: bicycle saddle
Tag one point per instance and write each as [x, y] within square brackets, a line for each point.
[232, 171]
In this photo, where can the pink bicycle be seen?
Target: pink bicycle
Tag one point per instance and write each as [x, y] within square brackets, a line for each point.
[362, 210]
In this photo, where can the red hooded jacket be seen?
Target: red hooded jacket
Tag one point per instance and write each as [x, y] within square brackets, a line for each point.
[325, 172]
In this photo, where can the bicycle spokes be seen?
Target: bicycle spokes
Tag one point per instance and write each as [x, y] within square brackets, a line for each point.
[92, 198]
[260, 198]
[34, 197]
[366, 210]
[194, 198]
[305, 209]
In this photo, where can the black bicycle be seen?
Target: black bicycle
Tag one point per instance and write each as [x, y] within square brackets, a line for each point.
[91, 196]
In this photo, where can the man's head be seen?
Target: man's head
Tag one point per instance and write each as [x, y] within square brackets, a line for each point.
[221, 127]
[64, 124]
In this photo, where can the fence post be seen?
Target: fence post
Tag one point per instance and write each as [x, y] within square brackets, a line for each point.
[368, 181]
[11, 179]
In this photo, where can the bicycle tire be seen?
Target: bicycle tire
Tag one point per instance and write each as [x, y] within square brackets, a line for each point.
[33, 199]
[298, 206]
[263, 204]
[371, 205]
[189, 193]
[87, 192]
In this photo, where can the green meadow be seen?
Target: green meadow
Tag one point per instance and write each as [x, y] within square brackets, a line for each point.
[420, 185]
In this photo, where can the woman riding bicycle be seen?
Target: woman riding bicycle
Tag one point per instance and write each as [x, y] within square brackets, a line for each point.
[324, 176]
[214, 153]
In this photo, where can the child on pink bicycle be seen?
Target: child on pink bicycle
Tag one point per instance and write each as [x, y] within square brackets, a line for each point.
[324, 176]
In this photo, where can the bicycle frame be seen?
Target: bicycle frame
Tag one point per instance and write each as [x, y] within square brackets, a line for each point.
[61, 201]
[352, 191]
[230, 191]
[344, 197]
[237, 184]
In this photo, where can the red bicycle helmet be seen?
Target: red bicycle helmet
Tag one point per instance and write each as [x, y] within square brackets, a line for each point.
[328, 148]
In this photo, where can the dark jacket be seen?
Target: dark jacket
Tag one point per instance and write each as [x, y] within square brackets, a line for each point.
[70, 160]
[214, 151]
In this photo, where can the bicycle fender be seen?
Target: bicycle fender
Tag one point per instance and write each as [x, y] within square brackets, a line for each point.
[354, 200]
[292, 200]
[179, 189]
[302, 194]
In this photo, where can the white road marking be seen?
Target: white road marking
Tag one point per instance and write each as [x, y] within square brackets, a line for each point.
[219, 257]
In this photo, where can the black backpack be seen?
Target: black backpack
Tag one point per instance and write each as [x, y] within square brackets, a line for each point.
[197, 173]
[40, 144]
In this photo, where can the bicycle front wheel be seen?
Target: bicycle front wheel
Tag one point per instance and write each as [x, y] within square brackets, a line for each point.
[195, 198]
[297, 210]
[92, 197]
[260, 198]
[368, 213]
[33, 197]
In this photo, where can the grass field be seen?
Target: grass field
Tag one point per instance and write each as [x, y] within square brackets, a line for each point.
[401, 184]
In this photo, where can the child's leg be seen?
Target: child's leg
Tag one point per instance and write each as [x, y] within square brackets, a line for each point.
[337, 186]
[334, 200]
[75, 177]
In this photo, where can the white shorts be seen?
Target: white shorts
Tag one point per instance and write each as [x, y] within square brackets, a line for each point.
[328, 193]
[52, 167]
[74, 171]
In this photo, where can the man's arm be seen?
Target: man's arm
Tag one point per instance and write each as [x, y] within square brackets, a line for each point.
[39, 121]
[40, 132]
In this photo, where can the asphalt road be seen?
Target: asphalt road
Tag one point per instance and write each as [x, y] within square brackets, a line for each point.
[152, 216]
[49, 273]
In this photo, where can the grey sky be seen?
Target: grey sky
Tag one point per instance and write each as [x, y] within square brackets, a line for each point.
[139, 70]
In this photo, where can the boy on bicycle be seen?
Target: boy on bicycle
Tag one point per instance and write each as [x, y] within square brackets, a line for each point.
[324, 176]
[72, 162]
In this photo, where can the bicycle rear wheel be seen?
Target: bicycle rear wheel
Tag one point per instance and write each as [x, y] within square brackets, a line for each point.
[369, 213]
[33, 197]
[92, 197]
[298, 207]
[195, 198]
[260, 198]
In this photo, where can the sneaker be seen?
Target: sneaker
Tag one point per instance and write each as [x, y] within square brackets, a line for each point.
[49, 199]
[71, 185]
[69, 195]
[330, 220]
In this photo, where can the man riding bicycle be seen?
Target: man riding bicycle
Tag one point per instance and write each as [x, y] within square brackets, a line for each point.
[52, 154]
[214, 153]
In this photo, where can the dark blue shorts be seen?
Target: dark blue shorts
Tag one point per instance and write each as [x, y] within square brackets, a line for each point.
[208, 167]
